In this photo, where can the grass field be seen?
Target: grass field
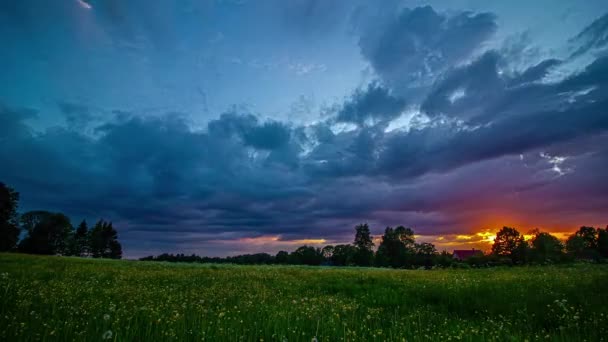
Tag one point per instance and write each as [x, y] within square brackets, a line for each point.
[69, 299]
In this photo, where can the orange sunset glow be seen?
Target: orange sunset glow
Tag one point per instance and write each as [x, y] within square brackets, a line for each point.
[481, 240]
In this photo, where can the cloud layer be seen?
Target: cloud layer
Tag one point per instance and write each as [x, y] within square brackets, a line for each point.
[447, 136]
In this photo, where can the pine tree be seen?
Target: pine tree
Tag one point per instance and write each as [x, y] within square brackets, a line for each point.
[364, 244]
[81, 239]
[103, 241]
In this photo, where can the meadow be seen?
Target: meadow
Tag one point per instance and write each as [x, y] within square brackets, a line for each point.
[75, 299]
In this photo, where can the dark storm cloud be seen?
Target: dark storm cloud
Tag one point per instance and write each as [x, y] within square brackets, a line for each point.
[12, 122]
[472, 137]
[157, 161]
[409, 47]
[467, 91]
[76, 115]
[534, 73]
[594, 36]
[375, 103]
[515, 119]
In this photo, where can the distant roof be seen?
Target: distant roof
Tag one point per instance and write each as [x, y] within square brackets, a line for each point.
[466, 253]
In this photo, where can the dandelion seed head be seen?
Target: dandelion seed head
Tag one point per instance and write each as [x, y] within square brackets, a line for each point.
[107, 335]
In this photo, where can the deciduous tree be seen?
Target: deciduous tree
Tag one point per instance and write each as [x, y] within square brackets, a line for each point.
[602, 241]
[9, 227]
[546, 247]
[584, 243]
[48, 233]
[510, 243]
[396, 248]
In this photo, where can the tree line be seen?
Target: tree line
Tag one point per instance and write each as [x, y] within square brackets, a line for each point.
[51, 233]
[398, 249]
[587, 243]
[44, 232]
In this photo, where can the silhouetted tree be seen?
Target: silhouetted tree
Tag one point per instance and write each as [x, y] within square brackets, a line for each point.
[425, 254]
[30, 219]
[246, 259]
[602, 241]
[575, 246]
[306, 255]
[364, 244]
[583, 244]
[510, 243]
[445, 259]
[48, 233]
[9, 227]
[103, 241]
[397, 247]
[589, 234]
[327, 252]
[81, 239]
[282, 257]
[546, 247]
[343, 255]
[521, 254]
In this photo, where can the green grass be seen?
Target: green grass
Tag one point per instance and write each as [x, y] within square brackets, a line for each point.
[71, 299]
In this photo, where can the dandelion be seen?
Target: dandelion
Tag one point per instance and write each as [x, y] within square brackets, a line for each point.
[107, 335]
[106, 317]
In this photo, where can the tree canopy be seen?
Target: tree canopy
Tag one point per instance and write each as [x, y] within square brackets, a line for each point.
[9, 225]
[52, 233]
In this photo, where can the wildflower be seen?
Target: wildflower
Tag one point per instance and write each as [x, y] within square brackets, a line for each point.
[314, 339]
[107, 335]
[106, 317]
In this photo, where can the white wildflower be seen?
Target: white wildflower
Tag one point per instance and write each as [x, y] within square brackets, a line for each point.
[107, 335]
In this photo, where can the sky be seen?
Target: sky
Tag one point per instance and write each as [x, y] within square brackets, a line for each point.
[224, 127]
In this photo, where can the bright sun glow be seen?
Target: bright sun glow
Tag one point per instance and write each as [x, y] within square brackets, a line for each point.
[487, 236]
